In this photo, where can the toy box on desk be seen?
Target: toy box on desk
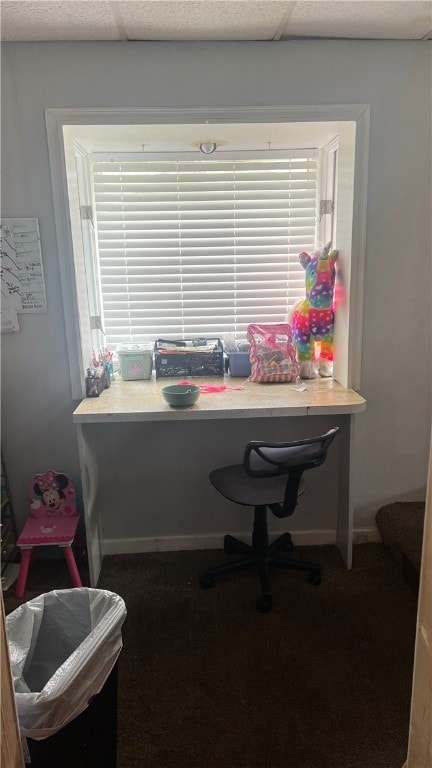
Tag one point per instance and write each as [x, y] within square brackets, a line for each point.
[136, 361]
[239, 364]
[195, 357]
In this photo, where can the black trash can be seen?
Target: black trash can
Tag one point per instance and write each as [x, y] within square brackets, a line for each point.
[64, 647]
[88, 741]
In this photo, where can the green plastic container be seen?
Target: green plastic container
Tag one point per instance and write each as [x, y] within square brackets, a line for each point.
[136, 361]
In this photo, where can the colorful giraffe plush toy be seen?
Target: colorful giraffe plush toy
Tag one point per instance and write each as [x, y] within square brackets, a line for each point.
[312, 318]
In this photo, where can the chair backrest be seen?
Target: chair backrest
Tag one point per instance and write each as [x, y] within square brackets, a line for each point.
[263, 459]
[52, 494]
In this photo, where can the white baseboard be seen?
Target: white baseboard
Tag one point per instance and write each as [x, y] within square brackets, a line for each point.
[367, 536]
[215, 541]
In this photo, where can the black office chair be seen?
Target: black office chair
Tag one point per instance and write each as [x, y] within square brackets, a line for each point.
[270, 477]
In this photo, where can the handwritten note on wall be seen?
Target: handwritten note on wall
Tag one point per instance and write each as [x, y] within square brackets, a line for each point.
[22, 278]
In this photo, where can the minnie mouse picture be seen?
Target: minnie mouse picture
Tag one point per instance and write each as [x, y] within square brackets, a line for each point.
[54, 495]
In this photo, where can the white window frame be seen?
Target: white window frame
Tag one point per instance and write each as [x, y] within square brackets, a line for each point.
[65, 197]
[328, 191]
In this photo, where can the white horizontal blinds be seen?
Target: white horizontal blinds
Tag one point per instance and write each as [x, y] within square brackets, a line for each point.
[201, 247]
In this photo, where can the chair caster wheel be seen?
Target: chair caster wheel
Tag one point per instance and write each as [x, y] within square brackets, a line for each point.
[264, 603]
[286, 543]
[229, 546]
[315, 579]
[206, 581]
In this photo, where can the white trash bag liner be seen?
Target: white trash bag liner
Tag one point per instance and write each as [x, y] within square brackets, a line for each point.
[62, 646]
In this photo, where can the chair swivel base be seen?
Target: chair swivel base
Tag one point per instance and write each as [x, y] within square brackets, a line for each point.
[261, 556]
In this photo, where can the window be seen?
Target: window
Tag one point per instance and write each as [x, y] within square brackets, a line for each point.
[201, 247]
[78, 138]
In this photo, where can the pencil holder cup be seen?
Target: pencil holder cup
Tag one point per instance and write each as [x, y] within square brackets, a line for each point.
[95, 385]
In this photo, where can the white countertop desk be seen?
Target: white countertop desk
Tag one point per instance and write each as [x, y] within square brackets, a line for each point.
[142, 401]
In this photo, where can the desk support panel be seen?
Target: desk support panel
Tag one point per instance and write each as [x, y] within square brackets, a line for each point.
[89, 478]
[345, 518]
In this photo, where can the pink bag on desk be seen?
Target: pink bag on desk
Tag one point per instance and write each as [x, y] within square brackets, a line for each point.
[272, 354]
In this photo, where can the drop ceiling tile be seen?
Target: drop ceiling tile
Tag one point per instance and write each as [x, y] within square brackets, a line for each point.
[202, 19]
[213, 19]
[393, 19]
[52, 20]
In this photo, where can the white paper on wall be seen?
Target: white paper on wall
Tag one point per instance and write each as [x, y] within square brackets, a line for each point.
[22, 277]
[10, 273]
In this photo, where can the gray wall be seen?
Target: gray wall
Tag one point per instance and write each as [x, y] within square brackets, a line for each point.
[392, 436]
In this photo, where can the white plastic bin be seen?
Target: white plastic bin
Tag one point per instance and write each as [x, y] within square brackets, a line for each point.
[136, 361]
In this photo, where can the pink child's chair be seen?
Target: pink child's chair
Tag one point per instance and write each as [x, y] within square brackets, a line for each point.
[53, 520]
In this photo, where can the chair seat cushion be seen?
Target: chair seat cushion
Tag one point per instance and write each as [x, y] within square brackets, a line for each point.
[236, 485]
[48, 530]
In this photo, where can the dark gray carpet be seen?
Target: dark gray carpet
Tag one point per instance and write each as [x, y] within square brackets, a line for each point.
[206, 681]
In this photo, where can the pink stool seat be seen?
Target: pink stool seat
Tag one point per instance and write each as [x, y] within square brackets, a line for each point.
[53, 521]
[48, 530]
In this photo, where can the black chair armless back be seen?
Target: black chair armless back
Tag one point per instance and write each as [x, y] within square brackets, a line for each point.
[267, 459]
[270, 459]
